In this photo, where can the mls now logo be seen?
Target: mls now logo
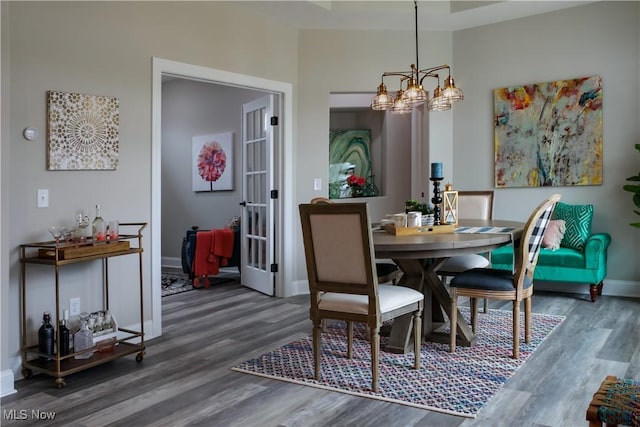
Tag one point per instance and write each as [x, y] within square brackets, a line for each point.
[25, 414]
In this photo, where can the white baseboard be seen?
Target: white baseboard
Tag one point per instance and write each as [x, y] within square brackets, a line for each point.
[6, 383]
[618, 288]
[299, 287]
[171, 262]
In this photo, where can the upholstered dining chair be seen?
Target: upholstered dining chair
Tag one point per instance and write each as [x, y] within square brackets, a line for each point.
[505, 285]
[471, 205]
[386, 271]
[342, 281]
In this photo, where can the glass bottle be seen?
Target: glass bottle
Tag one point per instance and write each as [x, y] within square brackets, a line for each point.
[82, 223]
[46, 338]
[83, 339]
[107, 326]
[63, 338]
[99, 228]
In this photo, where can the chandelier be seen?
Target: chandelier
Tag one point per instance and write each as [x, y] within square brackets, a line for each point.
[411, 92]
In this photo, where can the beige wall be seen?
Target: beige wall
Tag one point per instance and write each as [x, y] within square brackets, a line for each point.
[352, 62]
[597, 39]
[105, 48]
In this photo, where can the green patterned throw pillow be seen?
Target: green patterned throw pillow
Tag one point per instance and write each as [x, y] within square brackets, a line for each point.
[578, 221]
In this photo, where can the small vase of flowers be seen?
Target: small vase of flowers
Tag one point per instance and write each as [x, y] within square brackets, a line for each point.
[356, 184]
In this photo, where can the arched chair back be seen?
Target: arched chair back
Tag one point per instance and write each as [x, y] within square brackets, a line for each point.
[503, 284]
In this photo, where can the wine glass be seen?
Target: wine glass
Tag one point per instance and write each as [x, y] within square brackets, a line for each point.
[68, 233]
[56, 233]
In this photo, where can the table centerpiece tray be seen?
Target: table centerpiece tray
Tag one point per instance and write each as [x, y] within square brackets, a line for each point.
[425, 229]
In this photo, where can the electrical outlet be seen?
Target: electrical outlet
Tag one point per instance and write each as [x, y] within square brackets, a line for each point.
[74, 306]
[317, 184]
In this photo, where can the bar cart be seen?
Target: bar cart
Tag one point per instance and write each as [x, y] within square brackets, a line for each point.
[58, 255]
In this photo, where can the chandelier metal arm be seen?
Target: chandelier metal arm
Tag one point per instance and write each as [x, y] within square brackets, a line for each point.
[413, 93]
[431, 72]
[405, 74]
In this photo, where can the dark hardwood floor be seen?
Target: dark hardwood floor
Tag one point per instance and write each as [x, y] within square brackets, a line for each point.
[186, 377]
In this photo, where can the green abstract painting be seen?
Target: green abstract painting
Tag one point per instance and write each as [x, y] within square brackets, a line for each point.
[349, 154]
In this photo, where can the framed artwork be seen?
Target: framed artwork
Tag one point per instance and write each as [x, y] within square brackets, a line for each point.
[349, 154]
[549, 134]
[82, 131]
[212, 162]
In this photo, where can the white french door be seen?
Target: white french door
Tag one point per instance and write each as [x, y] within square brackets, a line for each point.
[260, 133]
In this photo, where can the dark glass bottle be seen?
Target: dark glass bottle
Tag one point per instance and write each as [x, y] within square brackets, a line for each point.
[63, 338]
[46, 336]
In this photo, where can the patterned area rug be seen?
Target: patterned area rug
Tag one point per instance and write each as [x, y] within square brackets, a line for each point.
[175, 283]
[460, 384]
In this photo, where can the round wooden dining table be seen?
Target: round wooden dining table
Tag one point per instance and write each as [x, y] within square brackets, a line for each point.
[419, 257]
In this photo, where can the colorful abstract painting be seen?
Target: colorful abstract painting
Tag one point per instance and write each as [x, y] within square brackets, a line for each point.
[82, 131]
[212, 168]
[549, 134]
[349, 154]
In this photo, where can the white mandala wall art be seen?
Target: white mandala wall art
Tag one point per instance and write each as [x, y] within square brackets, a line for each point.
[82, 131]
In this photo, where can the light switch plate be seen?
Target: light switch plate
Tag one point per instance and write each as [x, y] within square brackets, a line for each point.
[317, 184]
[43, 198]
[74, 306]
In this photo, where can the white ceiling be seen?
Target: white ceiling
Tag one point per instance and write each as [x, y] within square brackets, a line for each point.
[433, 15]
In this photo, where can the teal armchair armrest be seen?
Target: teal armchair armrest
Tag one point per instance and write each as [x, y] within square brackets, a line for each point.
[595, 251]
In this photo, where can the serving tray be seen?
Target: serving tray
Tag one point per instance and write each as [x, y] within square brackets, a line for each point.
[425, 229]
[84, 250]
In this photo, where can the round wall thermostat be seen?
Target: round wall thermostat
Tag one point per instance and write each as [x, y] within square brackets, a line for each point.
[30, 133]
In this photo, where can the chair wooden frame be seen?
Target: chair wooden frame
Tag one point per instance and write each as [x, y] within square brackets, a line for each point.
[527, 257]
[387, 271]
[488, 214]
[342, 279]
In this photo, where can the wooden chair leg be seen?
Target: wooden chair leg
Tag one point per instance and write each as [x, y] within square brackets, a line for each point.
[453, 320]
[375, 350]
[317, 345]
[349, 339]
[485, 305]
[516, 329]
[600, 286]
[527, 320]
[593, 291]
[474, 314]
[417, 339]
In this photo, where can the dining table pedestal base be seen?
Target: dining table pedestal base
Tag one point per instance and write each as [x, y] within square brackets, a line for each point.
[420, 274]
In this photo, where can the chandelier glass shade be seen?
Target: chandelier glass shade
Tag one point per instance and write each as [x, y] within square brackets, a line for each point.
[451, 91]
[382, 100]
[400, 106]
[439, 102]
[411, 91]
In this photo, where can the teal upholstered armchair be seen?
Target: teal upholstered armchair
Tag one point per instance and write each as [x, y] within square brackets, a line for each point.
[580, 256]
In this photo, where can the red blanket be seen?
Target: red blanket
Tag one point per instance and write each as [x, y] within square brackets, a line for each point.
[213, 250]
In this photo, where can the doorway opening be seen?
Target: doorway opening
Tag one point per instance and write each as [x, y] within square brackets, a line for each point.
[283, 242]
